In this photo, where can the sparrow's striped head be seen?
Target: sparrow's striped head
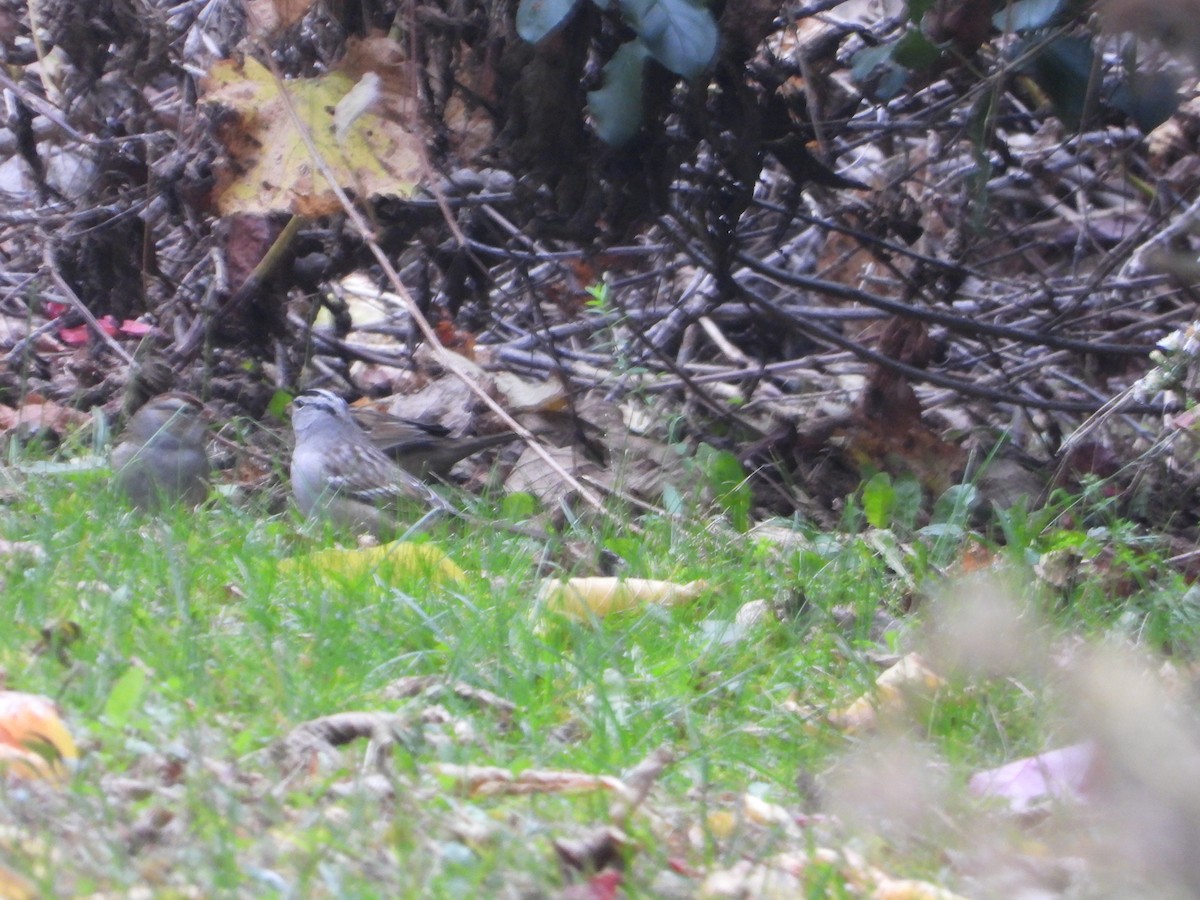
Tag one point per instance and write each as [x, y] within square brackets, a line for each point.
[316, 406]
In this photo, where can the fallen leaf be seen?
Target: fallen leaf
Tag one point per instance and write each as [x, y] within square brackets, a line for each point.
[489, 781]
[272, 169]
[584, 599]
[306, 745]
[14, 886]
[896, 689]
[392, 563]
[38, 418]
[34, 742]
[134, 328]
[598, 849]
[1062, 774]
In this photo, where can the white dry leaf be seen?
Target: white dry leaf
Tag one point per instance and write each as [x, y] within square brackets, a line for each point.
[358, 100]
[520, 395]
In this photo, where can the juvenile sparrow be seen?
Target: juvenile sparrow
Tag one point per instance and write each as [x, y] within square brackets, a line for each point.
[160, 457]
[339, 474]
[422, 448]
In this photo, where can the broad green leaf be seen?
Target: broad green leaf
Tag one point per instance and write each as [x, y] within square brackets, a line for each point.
[277, 408]
[673, 501]
[954, 506]
[1148, 98]
[125, 697]
[915, 51]
[678, 33]
[908, 496]
[918, 8]
[879, 499]
[727, 480]
[616, 108]
[868, 59]
[537, 18]
[1063, 69]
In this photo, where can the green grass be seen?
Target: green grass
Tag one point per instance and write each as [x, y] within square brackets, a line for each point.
[198, 655]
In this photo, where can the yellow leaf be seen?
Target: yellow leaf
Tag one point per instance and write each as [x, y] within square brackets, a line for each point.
[722, 824]
[896, 689]
[397, 562]
[587, 598]
[14, 886]
[272, 168]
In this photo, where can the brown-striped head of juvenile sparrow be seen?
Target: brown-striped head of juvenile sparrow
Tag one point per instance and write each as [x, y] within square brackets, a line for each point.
[160, 457]
[339, 475]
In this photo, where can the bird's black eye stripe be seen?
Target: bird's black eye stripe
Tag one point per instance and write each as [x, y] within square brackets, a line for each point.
[318, 397]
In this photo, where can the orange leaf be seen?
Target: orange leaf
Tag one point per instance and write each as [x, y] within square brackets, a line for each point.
[34, 742]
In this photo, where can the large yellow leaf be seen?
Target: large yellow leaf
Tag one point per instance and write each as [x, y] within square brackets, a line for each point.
[354, 126]
[399, 562]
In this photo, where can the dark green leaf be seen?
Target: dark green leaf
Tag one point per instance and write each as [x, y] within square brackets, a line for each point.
[908, 502]
[537, 18]
[868, 59]
[617, 107]
[874, 70]
[915, 51]
[678, 33]
[918, 8]
[1063, 69]
[954, 506]
[1149, 98]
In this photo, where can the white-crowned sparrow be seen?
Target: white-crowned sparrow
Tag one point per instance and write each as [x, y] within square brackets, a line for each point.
[337, 473]
[160, 457]
[422, 448]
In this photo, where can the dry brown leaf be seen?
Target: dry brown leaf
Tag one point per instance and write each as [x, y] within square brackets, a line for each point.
[598, 849]
[309, 743]
[493, 780]
[269, 17]
[533, 475]
[41, 418]
[433, 685]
